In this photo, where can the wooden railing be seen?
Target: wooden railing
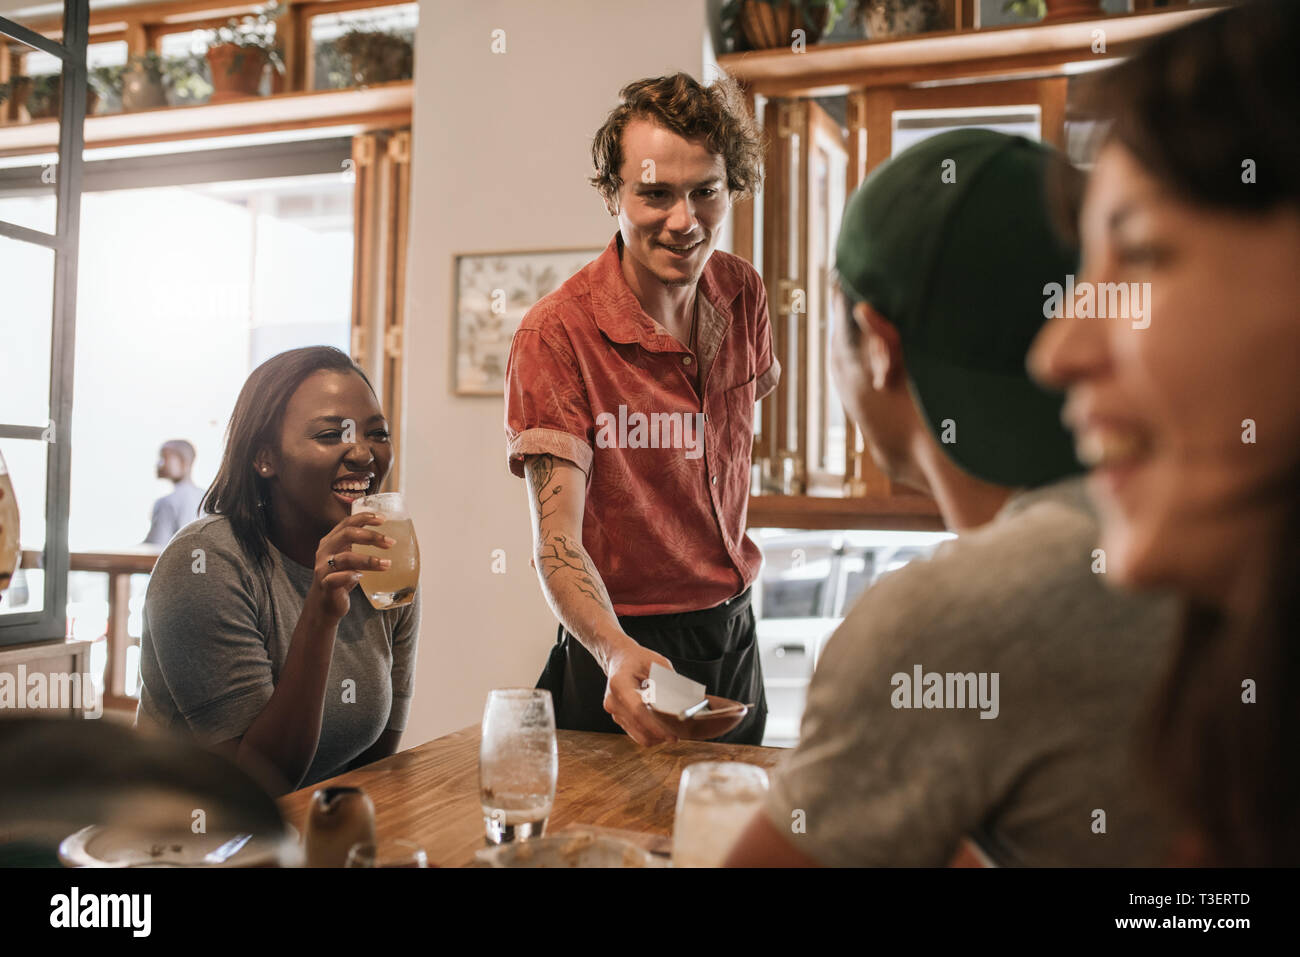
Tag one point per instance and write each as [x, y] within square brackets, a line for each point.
[119, 564]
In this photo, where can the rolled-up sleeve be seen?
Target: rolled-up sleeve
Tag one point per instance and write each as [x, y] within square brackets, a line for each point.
[547, 410]
[764, 360]
[405, 642]
[203, 642]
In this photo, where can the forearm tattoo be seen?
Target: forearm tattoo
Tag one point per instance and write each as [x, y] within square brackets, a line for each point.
[559, 551]
[541, 469]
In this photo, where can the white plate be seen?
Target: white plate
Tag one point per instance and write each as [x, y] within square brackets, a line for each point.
[100, 846]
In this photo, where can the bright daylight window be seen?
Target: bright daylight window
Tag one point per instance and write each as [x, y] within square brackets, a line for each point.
[182, 291]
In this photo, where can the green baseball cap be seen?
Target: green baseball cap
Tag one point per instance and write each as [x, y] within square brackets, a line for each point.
[952, 242]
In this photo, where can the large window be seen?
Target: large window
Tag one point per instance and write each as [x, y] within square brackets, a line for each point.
[37, 314]
[184, 289]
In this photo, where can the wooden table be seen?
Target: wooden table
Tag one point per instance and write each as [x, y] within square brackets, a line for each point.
[429, 794]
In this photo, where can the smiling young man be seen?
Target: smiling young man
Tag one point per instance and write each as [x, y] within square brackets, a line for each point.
[639, 532]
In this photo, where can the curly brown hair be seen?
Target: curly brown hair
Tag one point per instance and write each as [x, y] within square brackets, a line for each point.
[716, 114]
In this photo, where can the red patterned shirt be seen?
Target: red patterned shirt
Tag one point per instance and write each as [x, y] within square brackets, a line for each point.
[594, 380]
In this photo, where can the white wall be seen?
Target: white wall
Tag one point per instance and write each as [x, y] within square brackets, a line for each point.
[501, 153]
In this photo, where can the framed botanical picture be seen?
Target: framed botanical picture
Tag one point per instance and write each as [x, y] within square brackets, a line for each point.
[493, 291]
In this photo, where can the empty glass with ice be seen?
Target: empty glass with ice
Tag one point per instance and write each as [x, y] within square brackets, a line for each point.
[517, 764]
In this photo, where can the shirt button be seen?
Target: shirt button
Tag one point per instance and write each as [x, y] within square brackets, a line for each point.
[686, 360]
[706, 416]
[715, 480]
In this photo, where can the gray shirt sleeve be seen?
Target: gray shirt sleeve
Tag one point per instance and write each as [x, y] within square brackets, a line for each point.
[201, 617]
[405, 639]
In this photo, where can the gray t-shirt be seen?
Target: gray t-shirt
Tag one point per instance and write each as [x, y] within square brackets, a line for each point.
[1076, 662]
[217, 629]
[173, 512]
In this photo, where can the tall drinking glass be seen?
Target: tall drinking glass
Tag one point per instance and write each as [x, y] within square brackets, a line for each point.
[715, 801]
[395, 586]
[517, 763]
[10, 549]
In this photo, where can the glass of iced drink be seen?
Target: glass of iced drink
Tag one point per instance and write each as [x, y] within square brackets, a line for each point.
[715, 802]
[517, 763]
[395, 586]
[10, 551]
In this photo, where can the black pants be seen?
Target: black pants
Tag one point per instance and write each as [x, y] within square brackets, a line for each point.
[717, 647]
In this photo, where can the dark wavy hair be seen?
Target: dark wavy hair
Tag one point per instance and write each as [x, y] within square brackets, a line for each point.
[1191, 107]
[238, 492]
[717, 114]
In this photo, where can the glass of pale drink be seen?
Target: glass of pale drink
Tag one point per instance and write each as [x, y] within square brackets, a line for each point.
[11, 552]
[394, 586]
[517, 763]
[715, 801]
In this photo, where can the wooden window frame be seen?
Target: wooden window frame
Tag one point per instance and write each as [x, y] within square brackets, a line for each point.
[50, 623]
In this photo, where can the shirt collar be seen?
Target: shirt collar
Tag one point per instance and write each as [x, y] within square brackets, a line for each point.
[619, 315]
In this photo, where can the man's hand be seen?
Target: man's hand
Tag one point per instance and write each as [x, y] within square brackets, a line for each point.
[629, 667]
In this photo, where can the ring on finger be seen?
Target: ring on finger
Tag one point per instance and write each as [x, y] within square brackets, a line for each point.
[331, 562]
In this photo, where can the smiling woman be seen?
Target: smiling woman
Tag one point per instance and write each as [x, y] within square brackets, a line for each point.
[1189, 418]
[251, 642]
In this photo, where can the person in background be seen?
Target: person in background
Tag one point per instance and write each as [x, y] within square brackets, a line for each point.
[173, 512]
[1190, 418]
[254, 643]
[639, 540]
[991, 692]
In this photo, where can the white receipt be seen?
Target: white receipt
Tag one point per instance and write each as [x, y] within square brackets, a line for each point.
[671, 693]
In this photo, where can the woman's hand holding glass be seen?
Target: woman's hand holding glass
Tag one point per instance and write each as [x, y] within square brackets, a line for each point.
[338, 568]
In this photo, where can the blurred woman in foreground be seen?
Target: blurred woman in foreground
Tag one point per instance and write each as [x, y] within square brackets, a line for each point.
[1188, 409]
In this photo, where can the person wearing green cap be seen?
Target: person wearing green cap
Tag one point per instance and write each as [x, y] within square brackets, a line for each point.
[992, 692]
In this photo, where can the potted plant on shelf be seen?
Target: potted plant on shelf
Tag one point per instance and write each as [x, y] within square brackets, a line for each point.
[142, 83]
[45, 98]
[107, 82]
[187, 80]
[769, 24]
[19, 87]
[895, 18]
[239, 52]
[1049, 10]
[375, 56]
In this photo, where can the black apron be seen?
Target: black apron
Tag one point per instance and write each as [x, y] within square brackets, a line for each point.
[717, 647]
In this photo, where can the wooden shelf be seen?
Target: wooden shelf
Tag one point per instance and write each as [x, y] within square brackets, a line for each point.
[996, 51]
[912, 513]
[385, 105]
